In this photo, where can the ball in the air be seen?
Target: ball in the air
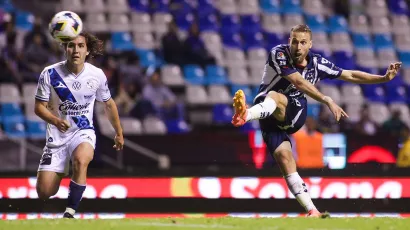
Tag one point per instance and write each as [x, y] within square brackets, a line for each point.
[65, 26]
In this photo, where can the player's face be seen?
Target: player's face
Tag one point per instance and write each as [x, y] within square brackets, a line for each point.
[300, 44]
[76, 51]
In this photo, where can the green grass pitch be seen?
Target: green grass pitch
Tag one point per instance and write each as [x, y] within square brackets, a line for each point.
[212, 223]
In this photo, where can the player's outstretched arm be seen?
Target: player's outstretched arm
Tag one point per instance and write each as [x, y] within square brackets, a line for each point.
[360, 77]
[41, 110]
[112, 113]
[305, 86]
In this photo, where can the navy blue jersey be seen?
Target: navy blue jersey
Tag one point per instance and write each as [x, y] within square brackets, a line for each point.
[280, 64]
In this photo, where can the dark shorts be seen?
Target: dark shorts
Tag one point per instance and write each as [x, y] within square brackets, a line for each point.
[275, 132]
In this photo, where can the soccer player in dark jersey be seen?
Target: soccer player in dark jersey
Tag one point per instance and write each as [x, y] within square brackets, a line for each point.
[291, 71]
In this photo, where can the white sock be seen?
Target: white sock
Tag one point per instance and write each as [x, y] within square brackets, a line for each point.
[261, 110]
[299, 190]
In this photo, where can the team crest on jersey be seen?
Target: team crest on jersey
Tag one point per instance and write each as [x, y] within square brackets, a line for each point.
[76, 85]
[280, 56]
[92, 84]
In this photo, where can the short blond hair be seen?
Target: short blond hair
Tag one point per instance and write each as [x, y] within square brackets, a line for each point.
[302, 29]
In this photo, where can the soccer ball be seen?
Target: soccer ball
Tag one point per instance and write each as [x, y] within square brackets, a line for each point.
[65, 26]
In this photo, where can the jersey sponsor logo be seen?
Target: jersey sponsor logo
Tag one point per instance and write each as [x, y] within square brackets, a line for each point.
[280, 56]
[50, 139]
[41, 80]
[46, 158]
[282, 63]
[76, 85]
[73, 108]
[88, 96]
[60, 85]
[92, 84]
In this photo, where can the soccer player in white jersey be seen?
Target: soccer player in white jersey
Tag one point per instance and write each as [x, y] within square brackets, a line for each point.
[65, 100]
[281, 106]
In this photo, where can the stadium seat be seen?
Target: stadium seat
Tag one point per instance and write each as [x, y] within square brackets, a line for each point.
[402, 42]
[160, 6]
[396, 94]
[215, 75]
[376, 8]
[321, 42]
[404, 57]
[207, 7]
[337, 24]
[184, 21]
[96, 23]
[222, 114]
[385, 57]
[234, 58]
[230, 23]
[359, 24]
[14, 127]
[196, 95]
[118, 22]
[293, 19]
[253, 40]
[8, 110]
[181, 7]
[72, 5]
[344, 60]
[255, 76]
[131, 126]
[177, 126]
[251, 23]
[121, 41]
[270, 6]
[406, 75]
[160, 23]
[398, 7]
[272, 23]
[144, 41]
[291, 7]
[313, 7]
[154, 126]
[218, 94]
[366, 58]
[383, 41]
[332, 91]
[29, 90]
[257, 57]
[141, 22]
[194, 74]
[247, 7]
[24, 20]
[238, 75]
[378, 112]
[274, 39]
[246, 89]
[400, 24]
[231, 40]
[212, 42]
[374, 93]
[208, 23]
[139, 5]
[381, 25]
[316, 23]
[362, 41]
[354, 112]
[9, 93]
[94, 6]
[171, 75]
[147, 58]
[117, 6]
[352, 94]
[404, 111]
[36, 129]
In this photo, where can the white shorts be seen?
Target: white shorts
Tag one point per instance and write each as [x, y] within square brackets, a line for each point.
[58, 159]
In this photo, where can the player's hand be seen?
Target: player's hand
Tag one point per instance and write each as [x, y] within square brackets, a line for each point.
[337, 111]
[392, 71]
[62, 125]
[119, 142]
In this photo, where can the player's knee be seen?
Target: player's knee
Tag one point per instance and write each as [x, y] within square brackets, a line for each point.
[82, 161]
[45, 193]
[274, 95]
[283, 156]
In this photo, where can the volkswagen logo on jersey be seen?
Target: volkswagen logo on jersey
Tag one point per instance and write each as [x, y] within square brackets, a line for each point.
[76, 85]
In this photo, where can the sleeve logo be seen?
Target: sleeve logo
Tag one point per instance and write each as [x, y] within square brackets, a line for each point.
[280, 56]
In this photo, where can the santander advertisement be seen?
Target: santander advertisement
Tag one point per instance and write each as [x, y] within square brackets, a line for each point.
[214, 188]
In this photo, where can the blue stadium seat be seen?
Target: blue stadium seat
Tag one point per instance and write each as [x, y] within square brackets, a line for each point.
[216, 75]
[251, 23]
[194, 74]
[313, 110]
[14, 126]
[316, 23]
[398, 7]
[160, 5]
[404, 57]
[206, 7]
[383, 41]
[208, 23]
[291, 7]
[273, 39]
[337, 24]
[374, 93]
[230, 23]
[222, 114]
[122, 41]
[253, 40]
[232, 40]
[270, 6]
[36, 129]
[147, 58]
[181, 7]
[177, 126]
[255, 90]
[11, 110]
[362, 41]
[139, 5]
[7, 6]
[246, 89]
[344, 60]
[396, 94]
[24, 20]
[184, 21]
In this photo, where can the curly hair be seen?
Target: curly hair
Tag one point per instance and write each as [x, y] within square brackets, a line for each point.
[94, 45]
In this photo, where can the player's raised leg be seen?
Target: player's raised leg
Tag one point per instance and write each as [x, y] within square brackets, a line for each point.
[274, 103]
[284, 157]
[81, 158]
[48, 183]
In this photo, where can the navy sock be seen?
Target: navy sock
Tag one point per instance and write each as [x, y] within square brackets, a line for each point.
[75, 195]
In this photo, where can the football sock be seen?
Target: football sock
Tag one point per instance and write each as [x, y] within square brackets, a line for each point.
[261, 110]
[74, 197]
[299, 190]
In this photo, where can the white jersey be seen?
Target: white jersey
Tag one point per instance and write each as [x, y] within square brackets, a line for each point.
[71, 97]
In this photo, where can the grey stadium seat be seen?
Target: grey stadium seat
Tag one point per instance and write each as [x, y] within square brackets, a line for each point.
[293, 19]
[246, 7]
[238, 76]
[234, 57]
[385, 57]
[131, 126]
[117, 6]
[359, 24]
[257, 57]
[400, 24]
[226, 6]
[378, 112]
[381, 25]
[331, 91]
[171, 75]
[272, 23]
[119, 22]
[255, 76]
[144, 40]
[352, 94]
[219, 94]
[154, 126]
[376, 8]
[94, 6]
[72, 5]
[140, 22]
[96, 23]
[196, 95]
[313, 7]
[9, 93]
